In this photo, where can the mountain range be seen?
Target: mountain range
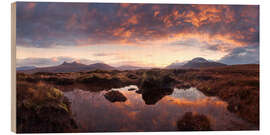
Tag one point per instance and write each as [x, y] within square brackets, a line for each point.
[78, 67]
[70, 67]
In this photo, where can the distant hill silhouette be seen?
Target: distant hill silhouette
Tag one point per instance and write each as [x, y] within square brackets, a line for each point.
[198, 62]
[71, 67]
[175, 65]
[25, 68]
[79, 67]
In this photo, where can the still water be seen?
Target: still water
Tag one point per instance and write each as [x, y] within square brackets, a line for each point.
[93, 112]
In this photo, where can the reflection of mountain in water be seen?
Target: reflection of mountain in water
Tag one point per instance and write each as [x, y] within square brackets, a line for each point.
[189, 94]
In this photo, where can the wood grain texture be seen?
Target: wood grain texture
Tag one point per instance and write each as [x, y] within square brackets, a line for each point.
[13, 67]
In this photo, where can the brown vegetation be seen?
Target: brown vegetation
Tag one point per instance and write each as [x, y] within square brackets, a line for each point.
[238, 85]
[193, 122]
[42, 109]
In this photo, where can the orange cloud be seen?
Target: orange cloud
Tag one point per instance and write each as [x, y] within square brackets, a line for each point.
[133, 20]
[200, 102]
[251, 29]
[124, 5]
[221, 26]
[30, 6]
[206, 14]
[127, 33]
[118, 31]
[156, 13]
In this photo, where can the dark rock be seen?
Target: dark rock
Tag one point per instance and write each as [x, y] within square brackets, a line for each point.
[115, 96]
[193, 122]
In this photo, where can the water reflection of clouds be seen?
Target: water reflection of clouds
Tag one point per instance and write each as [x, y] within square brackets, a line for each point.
[190, 94]
[95, 113]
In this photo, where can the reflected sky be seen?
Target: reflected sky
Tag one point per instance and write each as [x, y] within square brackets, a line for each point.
[93, 112]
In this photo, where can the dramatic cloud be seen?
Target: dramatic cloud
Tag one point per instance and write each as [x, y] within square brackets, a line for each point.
[51, 24]
[43, 62]
[209, 30]
[242, 55]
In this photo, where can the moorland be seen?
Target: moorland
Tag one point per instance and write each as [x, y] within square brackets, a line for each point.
[42, 106]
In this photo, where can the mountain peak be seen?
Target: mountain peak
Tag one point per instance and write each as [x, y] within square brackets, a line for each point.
[64, 63]
[75, 62]
[199, 60]
[71, 63]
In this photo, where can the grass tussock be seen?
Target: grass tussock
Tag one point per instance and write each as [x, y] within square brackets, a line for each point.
[157, 80]
[41, 108]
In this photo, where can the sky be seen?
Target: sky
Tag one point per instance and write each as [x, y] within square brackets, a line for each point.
[147, 35]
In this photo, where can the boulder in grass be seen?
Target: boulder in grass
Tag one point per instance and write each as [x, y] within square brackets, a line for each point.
[115, 96]
[193, 122]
